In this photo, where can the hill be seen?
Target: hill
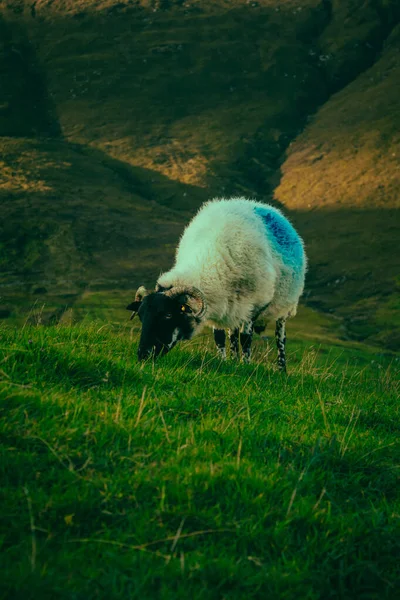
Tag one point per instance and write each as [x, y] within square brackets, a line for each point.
[342, 173]
[117, 119]
[193, 476]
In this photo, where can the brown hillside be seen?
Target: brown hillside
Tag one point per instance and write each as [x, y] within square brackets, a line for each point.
[119, 118]
[343, 174]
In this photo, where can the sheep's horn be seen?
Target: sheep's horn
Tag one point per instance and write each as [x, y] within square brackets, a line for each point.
[192, 291]
[133, 306]
[140, 293]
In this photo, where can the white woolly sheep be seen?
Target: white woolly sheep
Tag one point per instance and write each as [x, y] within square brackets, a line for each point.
[237, 259]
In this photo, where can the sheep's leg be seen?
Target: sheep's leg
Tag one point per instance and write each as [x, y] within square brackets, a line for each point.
[219, 338]
[246, 337]
[280, 337]
[234, 342]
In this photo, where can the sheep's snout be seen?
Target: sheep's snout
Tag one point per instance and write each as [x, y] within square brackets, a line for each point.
[144, 353]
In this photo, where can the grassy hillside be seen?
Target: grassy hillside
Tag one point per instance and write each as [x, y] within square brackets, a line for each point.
[117, 119]
[71, 221]
[342, 174]
[192, 476]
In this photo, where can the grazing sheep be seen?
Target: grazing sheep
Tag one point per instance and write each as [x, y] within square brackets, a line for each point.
[237, 259]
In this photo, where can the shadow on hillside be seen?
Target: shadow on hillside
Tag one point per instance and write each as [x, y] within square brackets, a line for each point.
[353, 268]
[26, 107]
[328, 456]
[80, 369]
[75, 219]
[103, 224]
[170, 67]
[127, 72]
[172, 194]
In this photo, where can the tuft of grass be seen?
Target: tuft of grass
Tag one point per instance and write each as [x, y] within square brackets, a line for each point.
[195, 477]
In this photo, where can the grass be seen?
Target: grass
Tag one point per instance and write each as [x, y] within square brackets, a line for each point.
[154, 106]
[194, 477]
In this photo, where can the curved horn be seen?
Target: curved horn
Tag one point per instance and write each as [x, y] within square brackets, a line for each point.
[140, 293]
[192, 291]
[134, 306]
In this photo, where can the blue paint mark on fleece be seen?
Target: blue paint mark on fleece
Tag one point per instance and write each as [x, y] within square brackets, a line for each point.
[283, 237]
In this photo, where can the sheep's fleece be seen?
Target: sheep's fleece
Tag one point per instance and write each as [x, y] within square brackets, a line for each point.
[243, 255]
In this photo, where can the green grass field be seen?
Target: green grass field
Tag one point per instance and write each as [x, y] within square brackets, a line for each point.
[192, 477]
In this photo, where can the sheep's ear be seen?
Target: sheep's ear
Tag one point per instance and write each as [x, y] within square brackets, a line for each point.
[134, 306]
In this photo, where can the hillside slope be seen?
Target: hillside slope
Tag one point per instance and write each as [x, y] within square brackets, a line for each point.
[194, 477]
[70, 221]
[119, 118]
[343, 176]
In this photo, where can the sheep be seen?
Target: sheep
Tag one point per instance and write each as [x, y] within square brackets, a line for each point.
[237, 260]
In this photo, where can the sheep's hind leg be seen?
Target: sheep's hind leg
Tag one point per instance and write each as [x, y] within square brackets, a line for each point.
[219, 338]
[234, 342]
[246, 337]
[280, 337]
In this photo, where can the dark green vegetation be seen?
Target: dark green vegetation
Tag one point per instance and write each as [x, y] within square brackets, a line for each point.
[118, 118]
[192, 477]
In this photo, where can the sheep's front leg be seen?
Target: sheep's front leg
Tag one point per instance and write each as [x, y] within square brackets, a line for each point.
[246, 337]
[280, 337]
[234, 342]
[219, 338]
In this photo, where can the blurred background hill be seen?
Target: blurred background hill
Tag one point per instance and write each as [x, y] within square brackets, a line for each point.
[117, 119]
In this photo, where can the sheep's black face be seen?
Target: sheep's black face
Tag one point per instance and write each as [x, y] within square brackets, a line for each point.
[165, 321]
